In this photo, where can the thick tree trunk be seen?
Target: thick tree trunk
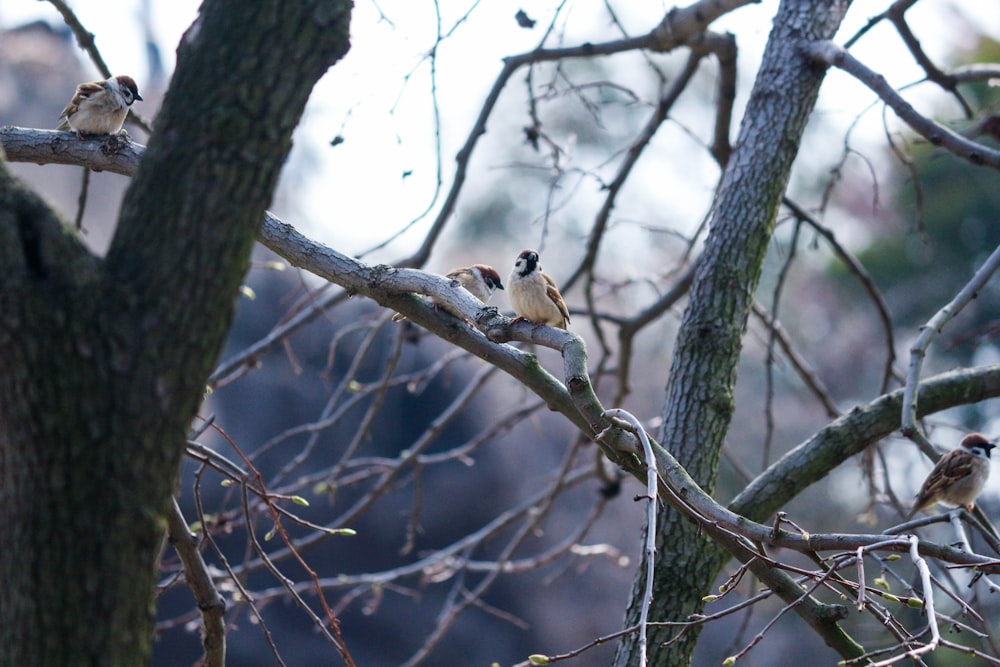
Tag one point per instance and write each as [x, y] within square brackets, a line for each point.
[699, 398]
[103, 361]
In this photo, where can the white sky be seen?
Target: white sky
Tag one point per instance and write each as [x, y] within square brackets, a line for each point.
[355, 193]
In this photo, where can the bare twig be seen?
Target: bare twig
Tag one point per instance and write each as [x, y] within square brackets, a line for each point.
[928, 605]
[976, 153]
[651, 482]
[857, 269]
[897, 15]
[772, 339]
[928, 333]
[81, 202]
[632, 155]
[802, 367]
[209, 600]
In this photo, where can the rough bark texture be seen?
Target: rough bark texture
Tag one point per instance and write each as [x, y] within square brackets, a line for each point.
[103, 361]
[699, 396]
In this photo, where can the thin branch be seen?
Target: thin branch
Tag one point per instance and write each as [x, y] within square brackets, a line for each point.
[632, 155]
[245, 596]
[802, 367]
[629, 328]
[635, 426]
[856, 269]
[898, 6]
[440, 558]
[81, 202]
[928, 604]
[772, 338]
[331, 627]
[897, 14]
[927, 335]
[978, 154]
[248, 358]
[210, 602]
[450, 612]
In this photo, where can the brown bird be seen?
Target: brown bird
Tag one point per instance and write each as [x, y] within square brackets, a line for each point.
[100, 107]
[958, 477]
[480, 280]
[534, 294]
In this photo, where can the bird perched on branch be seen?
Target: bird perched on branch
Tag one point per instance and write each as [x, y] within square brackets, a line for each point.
[480, 280]
[100, 107]
[958, 477]
[534, 294]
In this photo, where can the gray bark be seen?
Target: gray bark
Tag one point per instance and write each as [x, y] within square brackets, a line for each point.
[699, 396]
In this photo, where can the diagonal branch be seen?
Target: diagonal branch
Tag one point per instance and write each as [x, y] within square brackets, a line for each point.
[829, 53]
[210, 601]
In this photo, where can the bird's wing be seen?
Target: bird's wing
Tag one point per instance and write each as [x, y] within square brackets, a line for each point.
[88, 89]
[952, 467]
[553, 292]
[83, 91]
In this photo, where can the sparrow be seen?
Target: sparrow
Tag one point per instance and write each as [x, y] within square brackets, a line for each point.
[479, 279]
[100, 107]
[958, 477]
[534, 294]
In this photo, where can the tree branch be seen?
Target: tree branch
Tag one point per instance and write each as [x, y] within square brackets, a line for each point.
[210, 602]
[115, 153]
[852, 433]
[829, 53]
